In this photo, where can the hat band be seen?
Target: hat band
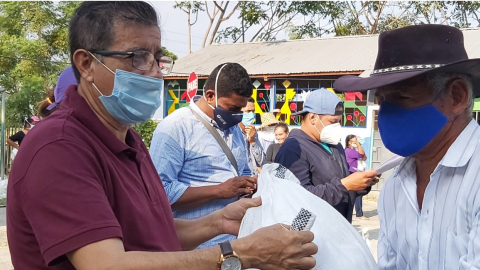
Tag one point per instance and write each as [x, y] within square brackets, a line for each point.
[406, 68]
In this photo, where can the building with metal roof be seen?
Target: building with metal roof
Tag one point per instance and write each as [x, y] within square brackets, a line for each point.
[284, 72]
[305, 57]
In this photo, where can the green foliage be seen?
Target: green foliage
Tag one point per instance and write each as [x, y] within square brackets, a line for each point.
[310, 19]
[190, 6]
[33, 52]
[169, 53]
[145, 130]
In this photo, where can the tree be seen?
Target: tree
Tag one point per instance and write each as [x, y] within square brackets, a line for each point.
[33, 52]
[263, 21]
[169, 53]
[189, 8]
[145, 130]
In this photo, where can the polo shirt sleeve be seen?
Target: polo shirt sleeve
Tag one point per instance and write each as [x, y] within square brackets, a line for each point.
[63, 196]
[290, 156]
[167, 151]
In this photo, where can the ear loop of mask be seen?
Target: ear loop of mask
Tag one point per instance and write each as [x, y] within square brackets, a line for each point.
[315, 126]
[216, 82]
[101, 94]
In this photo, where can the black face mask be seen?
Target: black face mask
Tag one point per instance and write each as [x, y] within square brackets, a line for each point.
[225, 119]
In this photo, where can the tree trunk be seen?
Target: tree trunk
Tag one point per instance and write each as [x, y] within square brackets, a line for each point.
[219, 21]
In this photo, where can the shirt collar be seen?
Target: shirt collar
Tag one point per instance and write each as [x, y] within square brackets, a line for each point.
[458, 154]
[463, 147]
[83, 113]
[203, 115]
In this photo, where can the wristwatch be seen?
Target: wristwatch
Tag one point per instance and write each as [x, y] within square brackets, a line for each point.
[229, 260]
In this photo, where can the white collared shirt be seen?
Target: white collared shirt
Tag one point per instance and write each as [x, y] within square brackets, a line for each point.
[445, 234]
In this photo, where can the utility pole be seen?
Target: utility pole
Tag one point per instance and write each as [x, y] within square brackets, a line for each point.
[2, 141]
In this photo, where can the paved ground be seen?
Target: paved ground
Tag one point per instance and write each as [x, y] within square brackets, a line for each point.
[369, 209]
[372, 223]
[5, 263]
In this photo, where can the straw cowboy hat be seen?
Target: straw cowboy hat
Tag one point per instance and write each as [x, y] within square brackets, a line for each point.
[268, 119]
[412, 51]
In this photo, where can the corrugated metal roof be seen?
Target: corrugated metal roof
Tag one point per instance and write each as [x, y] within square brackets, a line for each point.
[321, 55]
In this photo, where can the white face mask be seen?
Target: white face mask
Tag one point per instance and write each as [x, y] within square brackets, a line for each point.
[330, 134]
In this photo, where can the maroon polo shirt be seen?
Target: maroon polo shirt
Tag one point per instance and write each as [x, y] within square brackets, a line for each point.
[74, 183]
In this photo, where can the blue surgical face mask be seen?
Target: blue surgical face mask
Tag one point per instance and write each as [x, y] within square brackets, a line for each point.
[248, 118]
[407, 131]
[225, 119]
[134, 98]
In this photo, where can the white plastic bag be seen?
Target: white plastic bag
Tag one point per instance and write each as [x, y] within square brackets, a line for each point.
[14, 153]
[340, 246]
[3, 192]
[361, 165]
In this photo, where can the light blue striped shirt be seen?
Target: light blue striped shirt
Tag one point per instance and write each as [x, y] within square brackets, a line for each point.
[445, 234]
[186, 154]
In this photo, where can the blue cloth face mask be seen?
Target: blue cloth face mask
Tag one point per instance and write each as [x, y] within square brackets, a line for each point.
[407, 131]
[134, 98]
[248, 118]
[225, 119]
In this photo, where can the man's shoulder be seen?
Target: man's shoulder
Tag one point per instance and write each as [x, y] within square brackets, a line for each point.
[292, 143]
[54, 129]
[182, 115]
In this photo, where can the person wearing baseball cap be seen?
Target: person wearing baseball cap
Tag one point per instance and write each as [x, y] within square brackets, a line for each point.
[52, 102]
[425, 85]
[316, 157]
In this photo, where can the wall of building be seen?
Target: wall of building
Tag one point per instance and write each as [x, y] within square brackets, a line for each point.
[287, 95]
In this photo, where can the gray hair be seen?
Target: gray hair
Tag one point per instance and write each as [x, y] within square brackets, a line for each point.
[439, 81]
[92, 26]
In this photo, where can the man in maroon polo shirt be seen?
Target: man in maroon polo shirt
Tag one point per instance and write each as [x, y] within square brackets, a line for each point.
[86, 195]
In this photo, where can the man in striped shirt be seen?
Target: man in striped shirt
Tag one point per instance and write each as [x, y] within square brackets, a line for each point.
[425, 85]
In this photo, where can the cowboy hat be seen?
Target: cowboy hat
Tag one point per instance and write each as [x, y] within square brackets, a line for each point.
[268, 119]
[412, 51]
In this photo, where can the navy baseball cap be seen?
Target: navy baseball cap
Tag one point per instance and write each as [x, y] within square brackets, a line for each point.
[322, 101]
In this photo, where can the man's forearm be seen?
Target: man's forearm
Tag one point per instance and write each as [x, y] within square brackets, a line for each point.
[110, 254]
[197, 196]
[205, 229]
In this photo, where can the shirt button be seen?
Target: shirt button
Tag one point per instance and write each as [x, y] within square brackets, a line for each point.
[421, 256]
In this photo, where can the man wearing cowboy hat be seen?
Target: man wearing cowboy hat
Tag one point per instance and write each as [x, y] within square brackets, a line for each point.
[314, 154]
[429, 211]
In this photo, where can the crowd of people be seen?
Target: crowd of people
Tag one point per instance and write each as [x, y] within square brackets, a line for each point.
[110, 203]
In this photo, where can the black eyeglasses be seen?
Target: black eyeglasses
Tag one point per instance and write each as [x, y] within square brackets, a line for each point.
[143, 60]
